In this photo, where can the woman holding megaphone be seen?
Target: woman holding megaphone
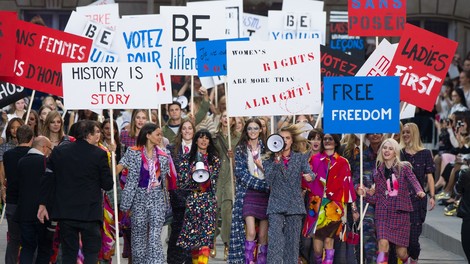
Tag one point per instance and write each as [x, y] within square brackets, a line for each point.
[198, 172]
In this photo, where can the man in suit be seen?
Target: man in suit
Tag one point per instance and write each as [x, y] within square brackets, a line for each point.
[24, 135]
[75, 176]
[34, 235]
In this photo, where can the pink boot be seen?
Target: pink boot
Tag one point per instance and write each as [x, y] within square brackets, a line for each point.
[249, 252]
[329, 256]
[382, 258]
[262, 254]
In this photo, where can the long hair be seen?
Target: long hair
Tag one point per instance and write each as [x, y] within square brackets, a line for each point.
[179, 137]
[50, 117]
[36, 126]
[244, 135]
[313, 134]
[415, 142]
[297, 138]
[348, 152]
[144, 131]
[461, 95]
[233, 124]
[396, 148]
[117, 140]
[133, 128]
[8, 134]
[211, 150]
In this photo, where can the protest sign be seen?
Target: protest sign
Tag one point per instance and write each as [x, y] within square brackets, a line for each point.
[255, 27]
[337, 63]
[10, 93]
[379, 61]
[273, 78]
[140, 39]
[40, 51]
[376, 17]
[110, 85]
[212, 57]
[421, 61]
[7, 42]
[107, 15]
[361, 105]
[301, 5]
[340, 40]
[186, 26]
[102, 36]
[102, 2]
[296, 25]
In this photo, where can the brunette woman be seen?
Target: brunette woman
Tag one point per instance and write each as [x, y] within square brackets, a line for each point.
[201, 205]
[391, 197]
[251, 197]
[43, 112]
[18, 109]
[33, 121]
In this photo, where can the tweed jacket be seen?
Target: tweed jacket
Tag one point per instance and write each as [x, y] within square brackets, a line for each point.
[244, 181]
[133, 160]
[402, 202]
[285, 184]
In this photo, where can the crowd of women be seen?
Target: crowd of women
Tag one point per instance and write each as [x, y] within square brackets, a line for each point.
[298, 204]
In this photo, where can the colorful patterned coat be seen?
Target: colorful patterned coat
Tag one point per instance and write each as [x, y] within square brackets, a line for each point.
[244, 181]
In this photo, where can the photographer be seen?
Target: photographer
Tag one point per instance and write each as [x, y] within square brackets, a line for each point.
[463, 188]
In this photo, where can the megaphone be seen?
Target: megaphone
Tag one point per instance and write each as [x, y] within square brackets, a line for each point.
[182, 100]
[275, 143]
[200, 175]
[306, 128]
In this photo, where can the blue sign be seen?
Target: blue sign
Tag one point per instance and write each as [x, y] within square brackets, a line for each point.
[361, 104]
[212, 57]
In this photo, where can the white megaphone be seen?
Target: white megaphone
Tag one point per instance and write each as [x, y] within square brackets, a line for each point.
[183, 100]
[275, 143]
[200, 175]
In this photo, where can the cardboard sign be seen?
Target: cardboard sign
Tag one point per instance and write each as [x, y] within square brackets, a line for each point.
[379, 61]
[102, 36]
[40, 51]
[10, 93]
[212, 57]
[297, 25]
[421, 61]
[107, 15]
[7, 42]
[185, 27]
[140, 40]
[110, 85]
[361, 105]
[273, 78]
[337, 63]
[340, 40]
[376, 17]
[255, 27]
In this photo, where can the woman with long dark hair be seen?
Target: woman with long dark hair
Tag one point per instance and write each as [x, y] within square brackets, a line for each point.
[201, 205]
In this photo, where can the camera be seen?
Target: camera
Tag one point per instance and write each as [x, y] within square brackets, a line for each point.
[459, 124]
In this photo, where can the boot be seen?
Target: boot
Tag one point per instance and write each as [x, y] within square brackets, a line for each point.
[382, 258]
[262, 254]
[249, 252]
[318, 259]
[213, 253]
[329, 256]
[204, 257]
[225, 252]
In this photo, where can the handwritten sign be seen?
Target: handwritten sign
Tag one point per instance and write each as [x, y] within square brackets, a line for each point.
[7, 42]
[40, 51]
[273, 78]
[337, 63]
[376, 17]
[361, 105]
[255, 27]
[340, 40]
[421, 61]
[10, 93]
[107, 15]
[212, 57]
[109, 85]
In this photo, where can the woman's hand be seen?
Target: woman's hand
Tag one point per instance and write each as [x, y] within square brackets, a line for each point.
[230, 154]
[421, 194]
[259, 164]
[361, 190]
[307, 177]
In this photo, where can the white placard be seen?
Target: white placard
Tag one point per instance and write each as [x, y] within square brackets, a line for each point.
[255, 27]
[185, 26]
[297, 25]
[102, 2]
[107, 15]
[302, 5]
[273, 78]
[379, 61]
[110, 85]
[141, 40]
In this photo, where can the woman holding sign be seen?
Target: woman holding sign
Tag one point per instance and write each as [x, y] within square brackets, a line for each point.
[392, 200]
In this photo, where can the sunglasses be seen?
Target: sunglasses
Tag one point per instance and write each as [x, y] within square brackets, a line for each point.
[252, 128]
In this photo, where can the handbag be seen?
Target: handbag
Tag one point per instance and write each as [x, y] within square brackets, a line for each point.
[353, 235]
[167, 204]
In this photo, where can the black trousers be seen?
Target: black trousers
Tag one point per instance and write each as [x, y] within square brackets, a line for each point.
[465, 237]
[90, 235]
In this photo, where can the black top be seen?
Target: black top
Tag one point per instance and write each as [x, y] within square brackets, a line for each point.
[10, 163]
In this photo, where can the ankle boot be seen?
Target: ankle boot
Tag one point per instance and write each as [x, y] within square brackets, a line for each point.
[382, 258]
[249, 252]
[262, 254]
[329, 256]
[318, 259]
[213, 252]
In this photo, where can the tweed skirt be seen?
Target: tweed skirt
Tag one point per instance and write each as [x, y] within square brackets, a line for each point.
[255, 204]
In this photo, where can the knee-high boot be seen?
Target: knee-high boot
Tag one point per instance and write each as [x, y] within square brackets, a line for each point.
[329, 256]
[262, 254]
[382, 258]
[249, 252]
